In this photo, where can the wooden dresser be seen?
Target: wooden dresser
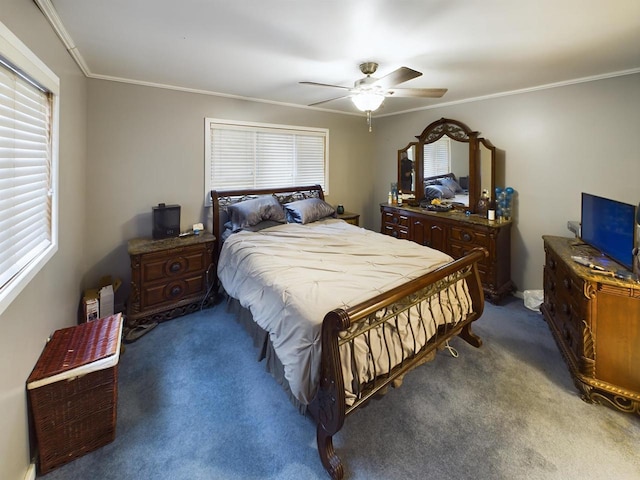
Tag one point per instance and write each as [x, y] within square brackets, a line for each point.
[170, 277]
[595, 320]
[456, 234]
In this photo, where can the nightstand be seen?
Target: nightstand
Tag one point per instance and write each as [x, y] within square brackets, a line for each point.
[349, 217]
[170, 277]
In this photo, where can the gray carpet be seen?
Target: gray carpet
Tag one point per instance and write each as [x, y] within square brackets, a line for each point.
[194, 404]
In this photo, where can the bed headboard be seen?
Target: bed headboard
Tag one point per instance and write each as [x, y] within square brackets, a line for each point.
[221, 199]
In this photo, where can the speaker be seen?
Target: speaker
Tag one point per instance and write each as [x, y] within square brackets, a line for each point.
[166, 221]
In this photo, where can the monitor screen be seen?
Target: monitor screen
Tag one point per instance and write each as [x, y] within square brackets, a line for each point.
[609, 226]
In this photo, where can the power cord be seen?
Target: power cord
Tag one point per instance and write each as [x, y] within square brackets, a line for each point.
[452, 351]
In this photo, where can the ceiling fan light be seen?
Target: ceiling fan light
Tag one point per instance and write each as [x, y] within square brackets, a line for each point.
[367, 101]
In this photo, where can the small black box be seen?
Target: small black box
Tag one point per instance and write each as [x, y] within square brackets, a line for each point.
[166, 221]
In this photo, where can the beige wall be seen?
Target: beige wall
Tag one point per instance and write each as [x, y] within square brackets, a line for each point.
[137, 146]
[49, 302]
[557, 142]
[146, 146]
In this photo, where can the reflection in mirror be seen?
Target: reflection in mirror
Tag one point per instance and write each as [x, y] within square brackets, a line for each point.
[447, 156]
[406, 169]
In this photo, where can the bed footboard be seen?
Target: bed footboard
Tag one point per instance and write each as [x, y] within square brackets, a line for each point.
[397, 331]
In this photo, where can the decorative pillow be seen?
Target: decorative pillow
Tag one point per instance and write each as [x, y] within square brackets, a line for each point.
[309, 210]
[251, 212]
[451, 184]
[438, 191]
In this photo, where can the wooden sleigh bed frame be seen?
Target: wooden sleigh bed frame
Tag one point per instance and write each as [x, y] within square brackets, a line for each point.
[342, 327]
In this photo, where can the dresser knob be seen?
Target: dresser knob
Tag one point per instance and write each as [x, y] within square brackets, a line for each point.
[175, 291]
[552, 264]
[466, 237]
[567, 283]
[175, 267]
[394, 233]
[395, 219]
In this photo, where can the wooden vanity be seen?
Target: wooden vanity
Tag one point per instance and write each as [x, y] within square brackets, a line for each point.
[595, 320]
[480, 164]
[456, 234]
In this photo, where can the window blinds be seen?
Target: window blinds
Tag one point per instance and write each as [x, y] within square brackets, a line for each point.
[25, 172]
[437, 157]
[258, 156]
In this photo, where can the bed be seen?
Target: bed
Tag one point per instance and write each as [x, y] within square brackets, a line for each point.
[447, 188]
[339, 313]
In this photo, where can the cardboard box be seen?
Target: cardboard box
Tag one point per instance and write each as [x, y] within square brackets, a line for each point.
[98, 302]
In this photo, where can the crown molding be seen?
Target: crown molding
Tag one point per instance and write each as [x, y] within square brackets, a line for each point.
[50, 13]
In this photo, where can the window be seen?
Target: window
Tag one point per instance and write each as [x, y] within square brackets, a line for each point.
[28, 199]
[253, 155]
[437, 157]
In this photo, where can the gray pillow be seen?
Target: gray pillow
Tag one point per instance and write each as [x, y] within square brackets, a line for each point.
[251, 212]
[438, 191]
[451, 184]
[308, 210]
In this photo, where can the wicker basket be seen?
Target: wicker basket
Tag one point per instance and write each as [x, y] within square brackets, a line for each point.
[73, 391]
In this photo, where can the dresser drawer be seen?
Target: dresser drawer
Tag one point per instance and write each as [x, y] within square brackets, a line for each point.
[165, 266]
[171, 291]
[394, 218]
[468, 236]
[395, 224]
[564, 302]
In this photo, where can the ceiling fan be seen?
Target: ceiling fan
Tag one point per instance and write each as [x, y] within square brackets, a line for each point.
[369, 92]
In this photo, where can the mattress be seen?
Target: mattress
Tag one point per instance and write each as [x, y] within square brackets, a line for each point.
[289, 276]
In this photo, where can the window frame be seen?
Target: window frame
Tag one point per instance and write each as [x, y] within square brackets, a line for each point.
[259, 127]
[14, 51]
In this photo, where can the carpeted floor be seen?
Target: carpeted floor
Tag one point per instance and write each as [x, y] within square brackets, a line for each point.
[194, 404]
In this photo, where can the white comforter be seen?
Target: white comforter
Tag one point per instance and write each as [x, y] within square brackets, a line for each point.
[290, 276]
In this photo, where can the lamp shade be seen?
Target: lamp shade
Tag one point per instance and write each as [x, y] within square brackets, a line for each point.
[367, 101]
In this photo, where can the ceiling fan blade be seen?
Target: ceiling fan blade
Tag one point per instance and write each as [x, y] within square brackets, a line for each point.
[418, 92]
[324, 85]
[329, 100]
[401, 75]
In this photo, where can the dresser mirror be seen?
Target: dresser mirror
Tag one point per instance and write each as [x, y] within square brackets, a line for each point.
[406, 169]
[448, 147]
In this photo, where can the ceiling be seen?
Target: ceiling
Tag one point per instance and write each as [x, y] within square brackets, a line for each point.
[262, 49]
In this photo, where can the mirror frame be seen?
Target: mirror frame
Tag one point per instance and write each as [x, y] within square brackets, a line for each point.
[409, 146]
[492, 174]
[459, 132]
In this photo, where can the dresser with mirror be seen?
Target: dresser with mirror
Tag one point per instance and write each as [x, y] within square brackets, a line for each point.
[449, 150]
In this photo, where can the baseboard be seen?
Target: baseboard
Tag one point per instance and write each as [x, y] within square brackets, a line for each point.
[31, 472]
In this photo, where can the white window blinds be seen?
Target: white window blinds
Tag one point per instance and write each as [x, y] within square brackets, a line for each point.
[437, 157]
[242, 155]
[25, 172]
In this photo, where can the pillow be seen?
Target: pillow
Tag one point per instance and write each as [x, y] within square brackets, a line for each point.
[309, 210]
[251, 212]
[438, 191]
[262, 225]
[451, 184]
